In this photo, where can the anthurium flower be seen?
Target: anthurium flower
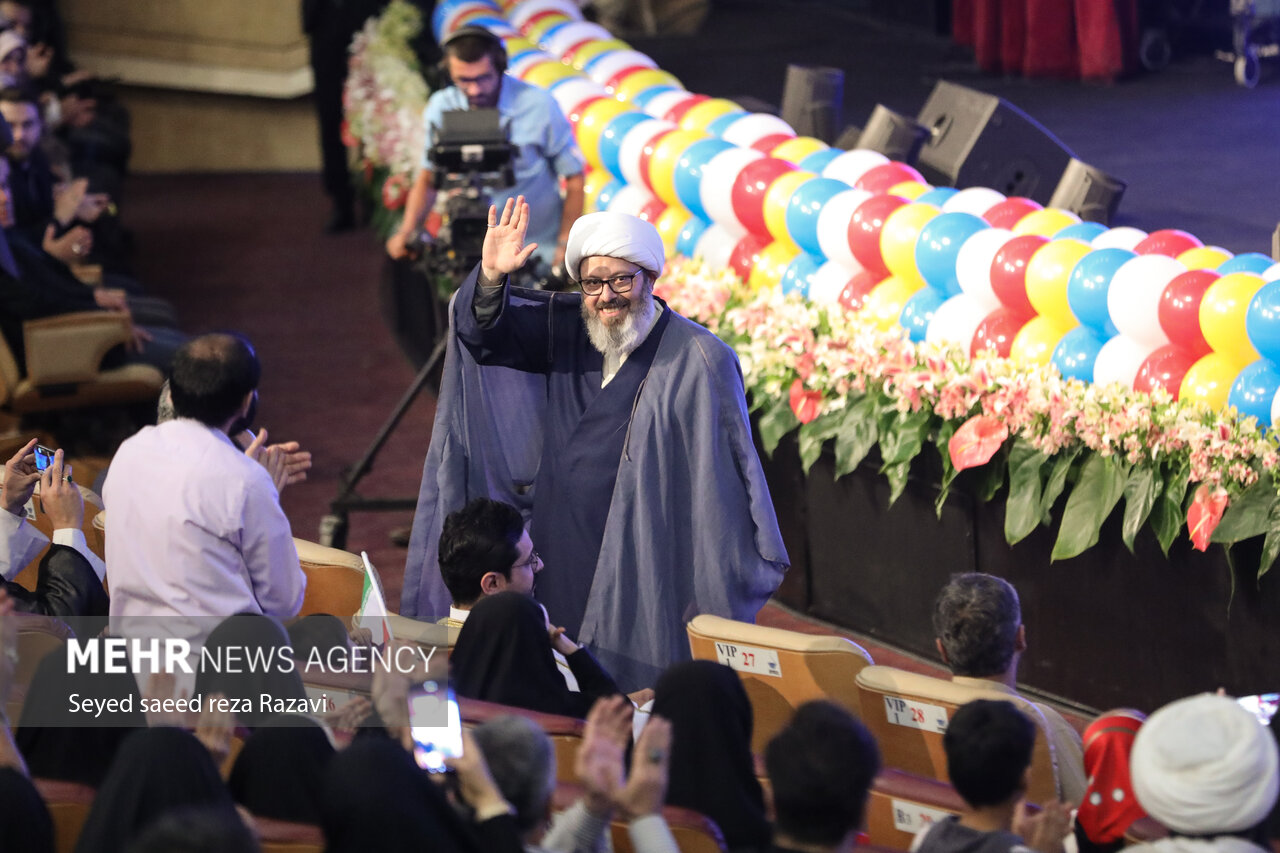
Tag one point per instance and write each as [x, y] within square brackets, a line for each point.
[805, 404]
[976, 441]
[1204, 514]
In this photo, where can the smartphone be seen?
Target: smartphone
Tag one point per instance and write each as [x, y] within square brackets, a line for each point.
[44, 457]
[1263, 706]
[435, 724]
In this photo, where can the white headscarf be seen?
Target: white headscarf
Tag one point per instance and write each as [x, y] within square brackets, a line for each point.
[614, 235]
[1203, 765]
[9, 42]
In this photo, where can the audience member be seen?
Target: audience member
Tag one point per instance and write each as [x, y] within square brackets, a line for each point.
[820, 767]
[279, 772]
[202, 534]
[196, 829]
[1109, 807]
[13, 58]
[977, 623]
[10, 757]
[712, 770]
[1206, 770]
[504, 654]
[25, 823]
[988, 745]
[229, 650]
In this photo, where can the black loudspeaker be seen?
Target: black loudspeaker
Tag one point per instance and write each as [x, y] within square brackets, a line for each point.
[1089, 193]
[894, 135]
[811, 101]
[980, 140]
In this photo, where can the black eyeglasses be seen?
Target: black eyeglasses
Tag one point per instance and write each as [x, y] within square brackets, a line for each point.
[618, 284]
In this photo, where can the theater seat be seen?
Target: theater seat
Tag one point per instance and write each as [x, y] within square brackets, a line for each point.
[810, 666]
[908, 713]
[565, 732]
[64, 358]
[902, 803]
[281, 836]
[335, 580]
[69, 805]
[693, 831]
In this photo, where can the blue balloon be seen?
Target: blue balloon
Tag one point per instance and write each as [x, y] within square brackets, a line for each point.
[818, 160]
[937, 196]
[644, 96]
[1254, 390]
[1262, 321]
[918, 313]
[938, 246]
[447, 8]
[607, 192]
[550, 31]
[689, 236]
[533, 51]
[593, 61]
[611, 140]
[720, 124]
[1250, 262]
[1082, 231]
[799, 273]
[1088, 285]
[1076, 352]
[492, 23]
[803, 209]
[688, 172]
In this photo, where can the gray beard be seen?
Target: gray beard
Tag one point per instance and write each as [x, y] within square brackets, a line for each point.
[618, 339]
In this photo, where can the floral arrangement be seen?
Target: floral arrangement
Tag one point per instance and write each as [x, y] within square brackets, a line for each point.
[831, 375]
[383, 102]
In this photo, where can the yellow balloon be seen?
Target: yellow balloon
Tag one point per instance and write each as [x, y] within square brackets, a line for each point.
[701, 115]
[1047, 274]
[898, 240]
[545, 73]
[910, 190]
[665, 158]
[1045, 222]
[1222, 313]
[797, 148]
[776, 200]
[591, 50]
[771, 264]
[539, 27]
[1204, 257]
[1209, 380]
[595, 180]
[669, 225]
[592, 123]
[646, 78]
[515, 44]
[883, 305]
[1035, 342]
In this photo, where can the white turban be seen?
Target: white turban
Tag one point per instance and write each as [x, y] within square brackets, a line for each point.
[1203, 766]
[614, 235]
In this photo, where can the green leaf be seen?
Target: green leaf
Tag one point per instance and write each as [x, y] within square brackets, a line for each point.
[857, 435]
[1056, 481]
[814, 435]
[942, 441]
[1270, 550]
[1022, 509]
[1140, 494]
[1167, 516]
[1096, 493]
[904, 437]
[897, 474]
[777, 421]
[1249, 514]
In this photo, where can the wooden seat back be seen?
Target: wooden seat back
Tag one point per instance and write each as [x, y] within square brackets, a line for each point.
[282, 836]
[901, 804]
[69, 805]
[565, 732]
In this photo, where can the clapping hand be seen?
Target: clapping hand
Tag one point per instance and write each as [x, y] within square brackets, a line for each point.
[504, 249]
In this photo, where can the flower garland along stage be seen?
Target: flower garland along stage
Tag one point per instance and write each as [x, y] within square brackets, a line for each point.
[872, 311]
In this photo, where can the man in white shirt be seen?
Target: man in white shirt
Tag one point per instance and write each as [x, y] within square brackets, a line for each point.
[197, 532]
[69, 582]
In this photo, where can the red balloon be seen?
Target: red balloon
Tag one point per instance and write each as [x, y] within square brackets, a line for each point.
[1009, 272]
[747, 194]
[864, 231]
[1170, 241]
[646, 154]
[857, 289]
[1179, 311]
[575, 112]
[534, 18]
[677, 112]
[569, 52]
[651, 211]
[1007, 213]
[765, 144]
[612, 83]
[1165, 368]
[997, 331]
[746, 253]
[879, 179]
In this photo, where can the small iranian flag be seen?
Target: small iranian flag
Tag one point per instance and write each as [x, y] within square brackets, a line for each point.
[373, 607]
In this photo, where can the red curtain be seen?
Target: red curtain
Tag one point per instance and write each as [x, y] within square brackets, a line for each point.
[1091, 39]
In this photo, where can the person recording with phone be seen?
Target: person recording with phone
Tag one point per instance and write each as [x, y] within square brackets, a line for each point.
[476, 61]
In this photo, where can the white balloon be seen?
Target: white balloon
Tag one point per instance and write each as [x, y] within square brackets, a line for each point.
[570, 93]
[662, 102]
[753, 127]
[1275, 404]
[829, 280]
[1271, 273]
[449, 24]
[1123, 237]
[630, 199]
[633, 145]
[1119, 360]
[851, 165]
[975, 200]
[613, 62]
[973, 265]
[524, 63]
[715, 246]
[957, 320]
[1133, 299]
[570, 34]
[716, 189]
[526, 10]
[833, 226]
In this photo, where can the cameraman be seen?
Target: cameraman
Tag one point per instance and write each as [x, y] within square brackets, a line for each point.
[476, 60]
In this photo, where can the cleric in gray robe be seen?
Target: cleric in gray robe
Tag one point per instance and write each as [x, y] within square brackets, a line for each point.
[620, 429]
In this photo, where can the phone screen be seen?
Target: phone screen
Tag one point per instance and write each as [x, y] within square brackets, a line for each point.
[1263, 706]
[44, 457]
[435, 724]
